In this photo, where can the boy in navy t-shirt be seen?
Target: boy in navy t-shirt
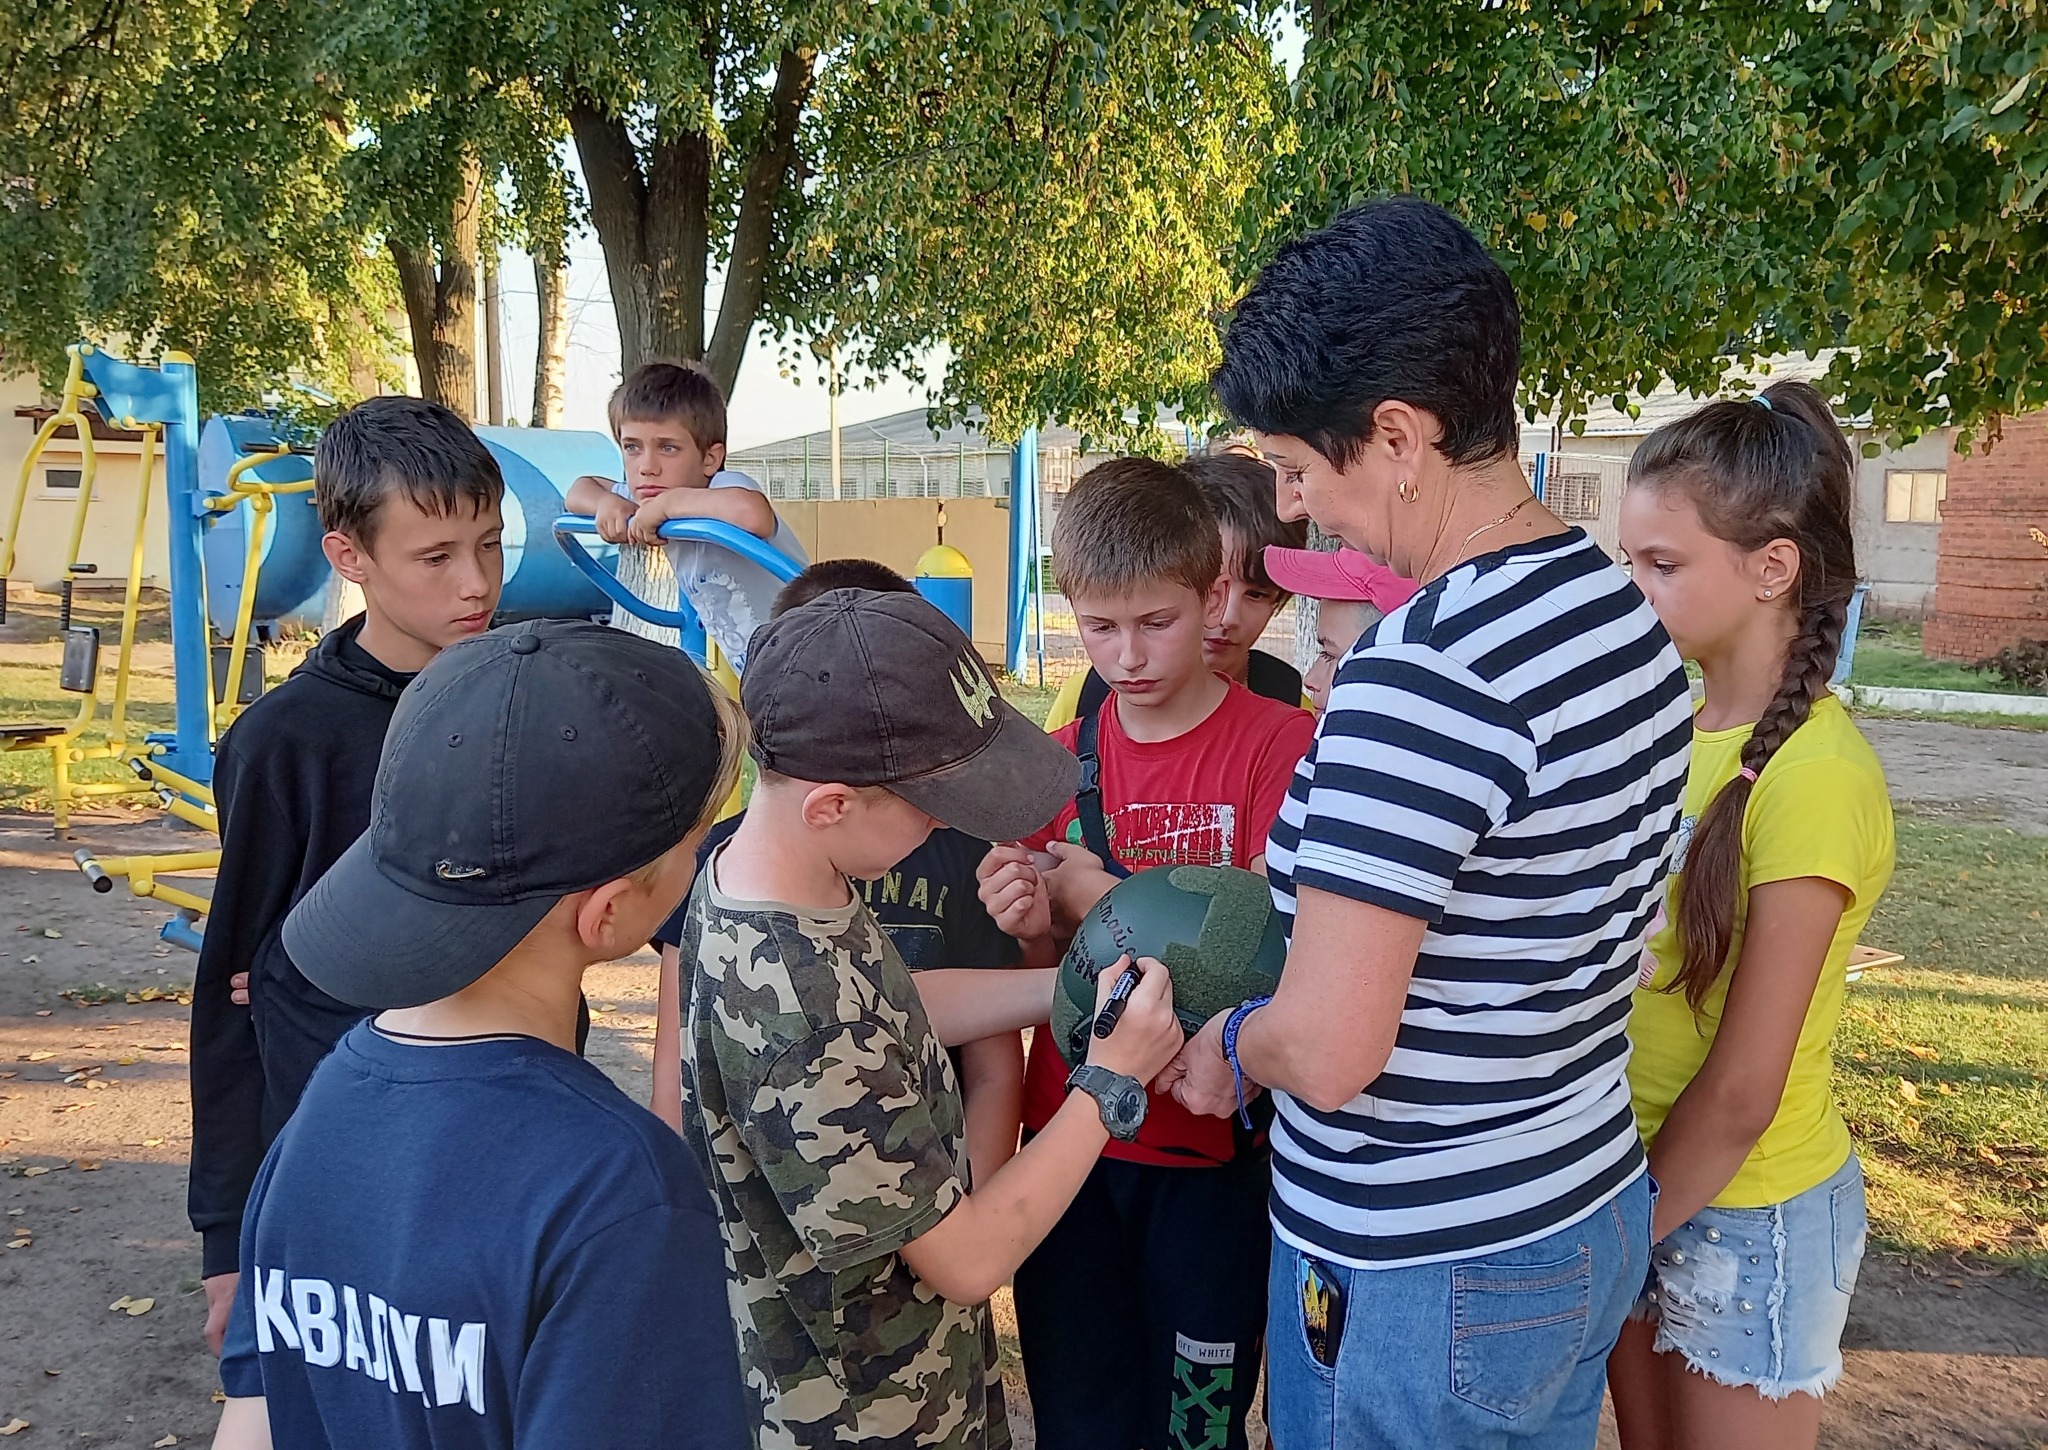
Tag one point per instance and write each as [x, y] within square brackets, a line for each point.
[929, 903]
[466, 1236]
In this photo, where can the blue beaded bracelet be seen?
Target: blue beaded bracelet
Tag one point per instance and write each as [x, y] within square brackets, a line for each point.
[1231, 1026]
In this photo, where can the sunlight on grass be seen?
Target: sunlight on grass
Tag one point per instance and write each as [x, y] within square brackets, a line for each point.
[1942, 1063]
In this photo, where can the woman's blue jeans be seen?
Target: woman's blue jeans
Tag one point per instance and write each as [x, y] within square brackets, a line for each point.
[1507, 1349]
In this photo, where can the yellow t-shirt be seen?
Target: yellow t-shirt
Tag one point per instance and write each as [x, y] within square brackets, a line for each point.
[1821, 809]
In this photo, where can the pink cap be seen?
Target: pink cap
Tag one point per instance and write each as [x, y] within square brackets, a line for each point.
[1344, 574]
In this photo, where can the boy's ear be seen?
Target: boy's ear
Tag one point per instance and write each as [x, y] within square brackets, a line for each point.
[346, 555]
[827, 805]
[714, 459]
[597, 918]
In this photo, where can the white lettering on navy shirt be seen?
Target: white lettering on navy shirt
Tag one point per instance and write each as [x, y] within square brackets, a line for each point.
[363, 1333]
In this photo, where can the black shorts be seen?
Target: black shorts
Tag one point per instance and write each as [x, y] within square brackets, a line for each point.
[1143, 1314]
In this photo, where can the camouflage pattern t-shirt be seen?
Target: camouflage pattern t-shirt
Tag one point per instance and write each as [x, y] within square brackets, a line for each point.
[827, 1116]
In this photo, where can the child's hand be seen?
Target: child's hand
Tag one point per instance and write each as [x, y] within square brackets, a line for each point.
[614, 515]
[647, 522]
[1075, 881]
[1010, 887]
[1148, 1035]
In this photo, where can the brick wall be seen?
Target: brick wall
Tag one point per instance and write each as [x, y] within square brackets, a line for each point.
[1991, 578]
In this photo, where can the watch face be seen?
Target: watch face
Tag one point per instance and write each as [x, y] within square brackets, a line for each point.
[1130, 1106]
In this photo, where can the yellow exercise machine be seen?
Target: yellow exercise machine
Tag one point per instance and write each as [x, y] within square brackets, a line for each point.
[65, 741]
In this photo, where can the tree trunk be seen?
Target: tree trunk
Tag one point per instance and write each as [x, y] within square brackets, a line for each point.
[494, 342]
[550, 354]
[654, 221]
[438, 281]
[772, 166]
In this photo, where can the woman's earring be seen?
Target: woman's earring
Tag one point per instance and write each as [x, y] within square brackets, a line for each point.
[1407, 490]
[1768, 593]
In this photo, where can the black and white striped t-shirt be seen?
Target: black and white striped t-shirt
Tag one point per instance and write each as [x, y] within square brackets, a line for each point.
[1503, 758]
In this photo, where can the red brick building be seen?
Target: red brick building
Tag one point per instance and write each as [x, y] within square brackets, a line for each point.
[1991, 571]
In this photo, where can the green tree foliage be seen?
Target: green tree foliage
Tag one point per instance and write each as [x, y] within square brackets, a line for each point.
[1065, 197]
[1928, 123]
[167, 181]
[1052, 194]
[1676, 185]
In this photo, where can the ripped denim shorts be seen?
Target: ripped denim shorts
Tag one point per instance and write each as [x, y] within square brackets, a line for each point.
[1759, 1296]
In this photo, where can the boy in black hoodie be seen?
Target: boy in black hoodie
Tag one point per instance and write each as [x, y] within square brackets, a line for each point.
[410, 498]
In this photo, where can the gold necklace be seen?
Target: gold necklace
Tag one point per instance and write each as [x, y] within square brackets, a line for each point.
[1494, 525]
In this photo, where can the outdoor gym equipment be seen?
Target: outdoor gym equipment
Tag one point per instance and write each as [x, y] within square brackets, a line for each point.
[153, 403]
[571, 529]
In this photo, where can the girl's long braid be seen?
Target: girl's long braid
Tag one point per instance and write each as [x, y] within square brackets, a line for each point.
[1776, 467]
[1711, 883]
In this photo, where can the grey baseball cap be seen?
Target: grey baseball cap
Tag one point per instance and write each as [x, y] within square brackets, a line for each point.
[865, 688]
[524, 765]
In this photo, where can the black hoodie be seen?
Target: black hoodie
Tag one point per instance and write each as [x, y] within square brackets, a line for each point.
[292, 781]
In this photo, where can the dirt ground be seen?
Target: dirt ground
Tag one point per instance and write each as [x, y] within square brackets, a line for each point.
[95, 1129]
[1993, 777]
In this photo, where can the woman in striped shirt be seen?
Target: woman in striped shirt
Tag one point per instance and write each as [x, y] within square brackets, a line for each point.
[1469, 858]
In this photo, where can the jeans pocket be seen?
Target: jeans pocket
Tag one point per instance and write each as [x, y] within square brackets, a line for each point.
[1288, 1305]
[1846, 1209]
[1518, 1330]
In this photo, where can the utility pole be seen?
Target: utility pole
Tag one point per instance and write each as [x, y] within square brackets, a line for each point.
[494, 341]
[832, 361]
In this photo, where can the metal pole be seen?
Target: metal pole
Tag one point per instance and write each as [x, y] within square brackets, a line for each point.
[886, 491]
[191, 665]
[834, 361]
[1037, 564]
[1023, 540]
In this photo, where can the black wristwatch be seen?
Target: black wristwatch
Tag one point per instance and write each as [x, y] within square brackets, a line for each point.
[1122, 1099]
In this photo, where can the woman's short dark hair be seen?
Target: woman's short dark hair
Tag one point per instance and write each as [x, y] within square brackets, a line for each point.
[1396, 300]
[399, 445]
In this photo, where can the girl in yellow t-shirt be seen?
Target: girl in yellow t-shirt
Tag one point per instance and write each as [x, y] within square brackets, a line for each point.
[1737, 526]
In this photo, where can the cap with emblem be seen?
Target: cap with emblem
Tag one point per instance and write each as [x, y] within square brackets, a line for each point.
[862, 688]
[521, 766]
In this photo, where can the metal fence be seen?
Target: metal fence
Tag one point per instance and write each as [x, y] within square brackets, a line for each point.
[870, 470]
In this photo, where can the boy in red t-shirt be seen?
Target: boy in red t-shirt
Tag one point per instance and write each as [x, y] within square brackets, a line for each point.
[1143, 1313]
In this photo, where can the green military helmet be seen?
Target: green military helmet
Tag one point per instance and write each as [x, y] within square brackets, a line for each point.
[1213, 926]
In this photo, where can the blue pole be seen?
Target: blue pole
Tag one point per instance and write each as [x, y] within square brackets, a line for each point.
[1023, 548]
[192, 752]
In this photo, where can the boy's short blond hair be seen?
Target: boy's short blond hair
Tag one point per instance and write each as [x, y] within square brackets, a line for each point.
[663, 392]
[1130, 521]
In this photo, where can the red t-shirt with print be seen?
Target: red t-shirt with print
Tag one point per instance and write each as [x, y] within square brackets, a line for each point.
[1205, 798]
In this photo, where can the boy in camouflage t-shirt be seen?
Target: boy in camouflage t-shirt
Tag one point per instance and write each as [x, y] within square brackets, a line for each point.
[816, 1086]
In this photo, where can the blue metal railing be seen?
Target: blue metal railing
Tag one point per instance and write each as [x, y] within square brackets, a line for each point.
[571, 529]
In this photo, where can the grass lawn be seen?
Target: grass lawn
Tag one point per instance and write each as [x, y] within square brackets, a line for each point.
[1888, 653]
[1942, 1063]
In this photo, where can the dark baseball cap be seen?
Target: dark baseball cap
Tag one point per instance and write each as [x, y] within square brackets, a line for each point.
[863, 688]
[521, 766]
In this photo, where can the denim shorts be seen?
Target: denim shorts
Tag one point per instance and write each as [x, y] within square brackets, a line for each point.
[1502, 1351]
[1758, 1296]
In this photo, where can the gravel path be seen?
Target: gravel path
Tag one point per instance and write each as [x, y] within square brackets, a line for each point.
[1994, 776]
